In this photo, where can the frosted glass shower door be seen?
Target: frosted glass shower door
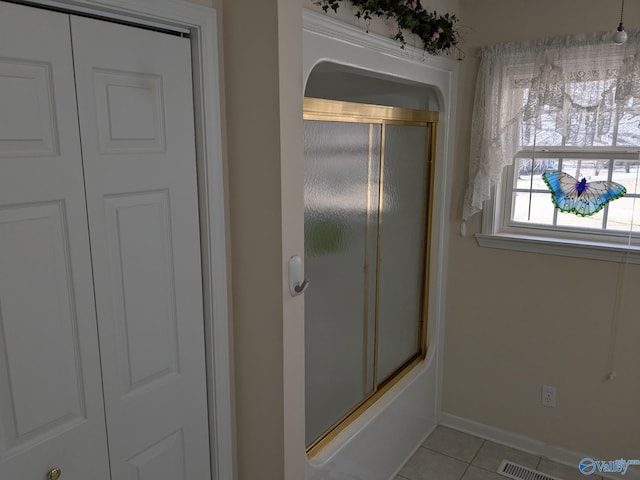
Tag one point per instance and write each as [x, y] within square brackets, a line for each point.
[366, 219]
[402, 245]
[339, 315]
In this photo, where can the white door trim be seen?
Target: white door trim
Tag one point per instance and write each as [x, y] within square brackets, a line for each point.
[202, 23]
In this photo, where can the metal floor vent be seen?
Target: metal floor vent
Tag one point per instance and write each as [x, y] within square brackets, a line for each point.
[518, 472]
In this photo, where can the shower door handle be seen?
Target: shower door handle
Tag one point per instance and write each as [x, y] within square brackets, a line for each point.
[297, 285]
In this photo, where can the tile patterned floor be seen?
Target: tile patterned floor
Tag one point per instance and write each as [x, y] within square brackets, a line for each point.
[452, 455]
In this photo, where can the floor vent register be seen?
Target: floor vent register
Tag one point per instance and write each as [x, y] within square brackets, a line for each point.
[518, 472]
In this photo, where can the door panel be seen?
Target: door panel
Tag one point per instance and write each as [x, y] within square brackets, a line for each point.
[37, 315]
[129, 112]
[30, 130]
[51, 410]
[140, 172]
[164, 459]
[140, 237]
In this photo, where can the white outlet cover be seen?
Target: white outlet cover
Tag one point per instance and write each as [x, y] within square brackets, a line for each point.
[548, 395]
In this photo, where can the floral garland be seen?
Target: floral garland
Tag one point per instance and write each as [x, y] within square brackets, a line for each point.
[437, 32]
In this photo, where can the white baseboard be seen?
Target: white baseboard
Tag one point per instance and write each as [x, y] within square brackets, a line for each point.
[527, 444]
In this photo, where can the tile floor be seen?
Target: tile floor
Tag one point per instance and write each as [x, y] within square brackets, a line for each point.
[452, 455]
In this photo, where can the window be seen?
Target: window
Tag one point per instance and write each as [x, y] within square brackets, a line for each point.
[569, 104]
[528, 199]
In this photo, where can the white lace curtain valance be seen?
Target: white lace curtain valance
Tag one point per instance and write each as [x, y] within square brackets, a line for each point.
[574, 91]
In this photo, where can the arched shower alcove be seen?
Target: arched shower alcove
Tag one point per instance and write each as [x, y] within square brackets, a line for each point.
[335, 81]
[344, 64]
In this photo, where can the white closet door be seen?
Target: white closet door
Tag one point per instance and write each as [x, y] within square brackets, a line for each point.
[51, 411]
[135, 109]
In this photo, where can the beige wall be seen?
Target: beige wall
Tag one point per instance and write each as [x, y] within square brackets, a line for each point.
[263, 95]
[518, 320]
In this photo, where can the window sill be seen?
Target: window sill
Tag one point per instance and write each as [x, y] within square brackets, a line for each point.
[556, 246]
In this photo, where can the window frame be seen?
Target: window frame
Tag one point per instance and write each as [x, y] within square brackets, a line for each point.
[500, 231]
[563, 154]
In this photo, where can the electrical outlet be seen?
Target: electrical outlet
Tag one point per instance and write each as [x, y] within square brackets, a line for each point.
[548, 395]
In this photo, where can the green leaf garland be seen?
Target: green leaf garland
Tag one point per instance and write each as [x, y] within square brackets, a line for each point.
[437, 32]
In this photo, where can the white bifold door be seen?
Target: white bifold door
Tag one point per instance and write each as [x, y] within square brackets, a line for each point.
[102, 370]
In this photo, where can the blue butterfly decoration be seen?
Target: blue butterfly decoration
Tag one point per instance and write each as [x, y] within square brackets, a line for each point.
[579, 196]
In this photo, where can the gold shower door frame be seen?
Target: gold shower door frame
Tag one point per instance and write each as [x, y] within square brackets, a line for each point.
[316, 109]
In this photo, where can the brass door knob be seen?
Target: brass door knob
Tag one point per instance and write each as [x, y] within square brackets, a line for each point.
[54, 474]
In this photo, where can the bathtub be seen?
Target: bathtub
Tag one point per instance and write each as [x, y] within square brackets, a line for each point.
[381, 440]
